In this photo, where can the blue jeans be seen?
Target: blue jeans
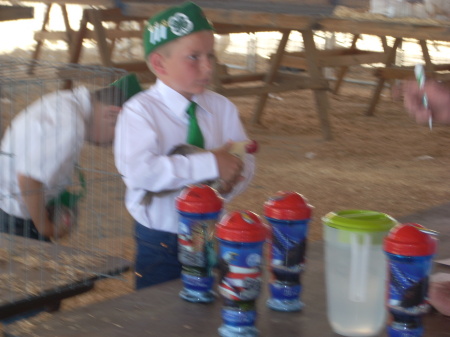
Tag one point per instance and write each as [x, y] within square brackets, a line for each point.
[156, 257]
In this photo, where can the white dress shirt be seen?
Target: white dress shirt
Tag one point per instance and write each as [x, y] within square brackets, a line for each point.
[43, 142]
[150, 125]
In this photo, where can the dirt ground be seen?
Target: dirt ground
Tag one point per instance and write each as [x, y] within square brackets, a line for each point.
[385, 162]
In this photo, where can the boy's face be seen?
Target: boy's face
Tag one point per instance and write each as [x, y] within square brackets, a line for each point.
[187, 64]
[103, 123]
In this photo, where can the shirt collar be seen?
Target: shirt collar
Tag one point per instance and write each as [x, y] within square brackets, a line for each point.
[177, 102]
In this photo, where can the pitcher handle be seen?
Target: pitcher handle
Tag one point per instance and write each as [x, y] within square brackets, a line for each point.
[359, 266]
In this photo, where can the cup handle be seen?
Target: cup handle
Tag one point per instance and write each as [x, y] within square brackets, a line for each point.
[359, 266]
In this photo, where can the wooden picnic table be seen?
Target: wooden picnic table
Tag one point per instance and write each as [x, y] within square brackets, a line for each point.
[269, 82]
[36, 274]
[284, 16]
[159, 311]
[14, 12]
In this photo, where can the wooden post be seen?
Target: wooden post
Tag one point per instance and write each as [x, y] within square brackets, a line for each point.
[77, 42]
[37, 50]
[45, 34]
[317, 77]
[102, 43]
[426, 56]
[390, 59]
[343, 70]
[69, 30]
[274, 65]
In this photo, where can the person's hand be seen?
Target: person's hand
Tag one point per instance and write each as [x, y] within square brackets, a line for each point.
[62, 219]
[438, 101]
[230, 168]
[439, 296]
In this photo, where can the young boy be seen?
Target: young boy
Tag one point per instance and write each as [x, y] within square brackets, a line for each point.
[40, 148]
[179, 49]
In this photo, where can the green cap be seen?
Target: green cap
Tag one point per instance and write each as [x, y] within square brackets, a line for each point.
[173, 23]
[129, 85]
[347, 226]
[359, 220]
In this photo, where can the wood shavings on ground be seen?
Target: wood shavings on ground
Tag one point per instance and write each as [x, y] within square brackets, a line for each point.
[31, 270]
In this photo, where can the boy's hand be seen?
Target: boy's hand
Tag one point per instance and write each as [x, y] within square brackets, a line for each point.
[230, 167]
[50, 222]
[63, 220]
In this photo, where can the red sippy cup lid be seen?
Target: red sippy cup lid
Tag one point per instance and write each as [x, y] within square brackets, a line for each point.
[199, 199]
[410, 239]
[241, 226]
[287, 205]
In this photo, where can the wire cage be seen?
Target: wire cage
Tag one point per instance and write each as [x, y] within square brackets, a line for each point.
[32, 271]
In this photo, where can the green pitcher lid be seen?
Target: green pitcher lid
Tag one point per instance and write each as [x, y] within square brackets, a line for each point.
[359, 220]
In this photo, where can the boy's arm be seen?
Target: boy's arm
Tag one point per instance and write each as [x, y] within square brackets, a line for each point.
[141, 148]
[33, 197]
[141, 151]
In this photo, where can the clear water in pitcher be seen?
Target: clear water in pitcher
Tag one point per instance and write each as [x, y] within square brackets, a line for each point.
[366, 316]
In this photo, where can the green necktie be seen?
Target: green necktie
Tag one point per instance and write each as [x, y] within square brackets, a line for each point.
[194, 136]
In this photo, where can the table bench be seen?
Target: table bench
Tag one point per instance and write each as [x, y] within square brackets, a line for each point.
[13, 12]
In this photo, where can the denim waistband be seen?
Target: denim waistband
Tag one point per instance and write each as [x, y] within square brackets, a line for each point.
[154, 236]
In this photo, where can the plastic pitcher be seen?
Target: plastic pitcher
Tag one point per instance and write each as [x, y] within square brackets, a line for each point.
[355, 270]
